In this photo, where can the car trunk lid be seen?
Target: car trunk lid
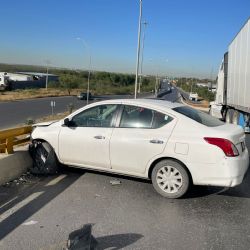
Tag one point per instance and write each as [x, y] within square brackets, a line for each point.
[233, 133]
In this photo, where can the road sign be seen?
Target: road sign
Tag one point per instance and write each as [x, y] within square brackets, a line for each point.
[52, 104]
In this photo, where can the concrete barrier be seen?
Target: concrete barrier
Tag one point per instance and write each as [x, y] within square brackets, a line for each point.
[14, 165]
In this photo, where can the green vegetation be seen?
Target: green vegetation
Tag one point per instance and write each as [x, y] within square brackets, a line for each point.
[100, 82]
[72, 81]
[188, 85]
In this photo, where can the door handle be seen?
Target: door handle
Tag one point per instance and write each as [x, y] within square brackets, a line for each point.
[99, 137]
[155, 141]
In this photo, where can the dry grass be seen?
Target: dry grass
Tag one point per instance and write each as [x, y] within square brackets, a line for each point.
[202, 104]
[58, 116]
[35, 93]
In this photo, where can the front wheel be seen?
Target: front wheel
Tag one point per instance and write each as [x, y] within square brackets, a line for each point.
[44, 158]
[170, 179]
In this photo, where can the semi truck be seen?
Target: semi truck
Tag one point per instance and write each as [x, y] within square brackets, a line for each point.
[232, 101]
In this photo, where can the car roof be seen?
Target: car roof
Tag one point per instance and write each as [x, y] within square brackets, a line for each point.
[156, 103]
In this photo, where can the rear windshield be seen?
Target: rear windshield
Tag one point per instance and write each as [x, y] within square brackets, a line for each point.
[199, 116]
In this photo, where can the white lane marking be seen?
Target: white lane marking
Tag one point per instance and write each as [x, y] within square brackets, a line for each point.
[56, 180]
[18, 206]
[5, 204]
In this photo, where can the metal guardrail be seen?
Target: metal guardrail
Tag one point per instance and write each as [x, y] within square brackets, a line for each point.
[9, 138]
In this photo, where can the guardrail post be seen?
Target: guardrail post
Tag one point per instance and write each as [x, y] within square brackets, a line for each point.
[2, 150]
[11, 137]
[9, 145]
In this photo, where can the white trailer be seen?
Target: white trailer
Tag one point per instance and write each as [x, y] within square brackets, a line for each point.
[3, 81]
[16, 76]
[232, 102]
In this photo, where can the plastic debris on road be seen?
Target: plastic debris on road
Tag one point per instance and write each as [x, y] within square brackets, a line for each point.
[29, 223]
[115, 182]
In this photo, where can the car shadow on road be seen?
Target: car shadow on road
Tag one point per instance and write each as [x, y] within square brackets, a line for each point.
[195, 191]
[21, 207]
[114, 175]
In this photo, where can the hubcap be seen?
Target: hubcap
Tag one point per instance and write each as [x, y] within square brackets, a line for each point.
[169, 179]
[40, 156]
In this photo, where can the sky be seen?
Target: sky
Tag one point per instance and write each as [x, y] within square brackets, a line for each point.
[182, 38]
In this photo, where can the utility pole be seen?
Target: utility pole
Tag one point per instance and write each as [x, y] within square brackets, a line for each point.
[156, 84]
[88, 78]
[90, 64]
[143, 40]
[47, 74]
[138, 49]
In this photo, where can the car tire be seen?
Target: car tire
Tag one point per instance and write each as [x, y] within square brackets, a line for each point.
[229, 115]
[175, 179]
[235, 117]
[210, 111]
[45, 161]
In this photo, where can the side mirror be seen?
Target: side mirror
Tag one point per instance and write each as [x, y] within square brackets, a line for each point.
[66, 122]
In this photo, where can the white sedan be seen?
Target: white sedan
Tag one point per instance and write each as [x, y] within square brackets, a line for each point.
[171, 144]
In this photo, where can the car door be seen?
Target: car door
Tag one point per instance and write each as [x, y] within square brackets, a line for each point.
[141, 135]
[85, 142]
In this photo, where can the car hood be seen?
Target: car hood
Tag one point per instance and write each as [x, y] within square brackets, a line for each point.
[44, 124]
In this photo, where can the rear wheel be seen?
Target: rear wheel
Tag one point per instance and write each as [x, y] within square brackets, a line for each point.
[210, 111]
[170, 179]
[229, 114]
[44, 159]
[235, 117]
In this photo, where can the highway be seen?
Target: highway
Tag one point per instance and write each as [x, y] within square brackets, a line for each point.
[173, 96]
[15, 113]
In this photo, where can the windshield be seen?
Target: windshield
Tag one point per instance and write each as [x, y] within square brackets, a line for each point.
[199, 116]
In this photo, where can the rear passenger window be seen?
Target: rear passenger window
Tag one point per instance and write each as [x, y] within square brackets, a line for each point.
[160, 119]
[139, 117]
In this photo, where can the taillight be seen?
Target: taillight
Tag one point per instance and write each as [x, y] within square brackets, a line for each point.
[227, 146]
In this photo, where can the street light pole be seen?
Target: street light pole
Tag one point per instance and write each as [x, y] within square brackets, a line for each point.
[143, 40]
[47, 74]
[47, 77]
[88, 79]
[89, 68]
[138, 49]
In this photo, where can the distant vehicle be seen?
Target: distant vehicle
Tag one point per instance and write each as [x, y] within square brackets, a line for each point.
[193, 97]
[83, 96]
[232, 102]
[3, 81]
[164, 88]
[171, 144]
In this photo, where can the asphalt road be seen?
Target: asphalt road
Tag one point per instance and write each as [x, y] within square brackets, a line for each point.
[173, 96]
[42, 213]
[17, 112]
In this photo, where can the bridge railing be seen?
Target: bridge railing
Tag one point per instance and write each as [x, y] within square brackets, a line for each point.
[14, 136]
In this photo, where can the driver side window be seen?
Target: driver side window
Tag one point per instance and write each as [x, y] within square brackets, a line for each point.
[99, 116]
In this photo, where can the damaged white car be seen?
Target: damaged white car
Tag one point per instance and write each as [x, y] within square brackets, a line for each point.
[171, 144]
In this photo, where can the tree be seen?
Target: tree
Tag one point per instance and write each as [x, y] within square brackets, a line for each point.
[68, 82]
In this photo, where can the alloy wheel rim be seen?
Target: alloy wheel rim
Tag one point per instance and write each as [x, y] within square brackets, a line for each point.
[169, 179]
